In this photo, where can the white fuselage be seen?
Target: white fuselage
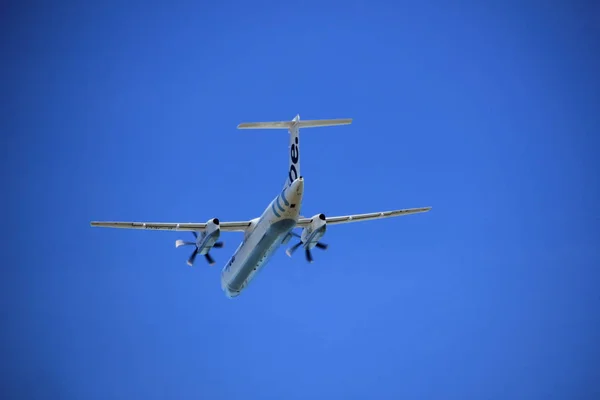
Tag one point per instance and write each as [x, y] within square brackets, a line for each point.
[263, 238]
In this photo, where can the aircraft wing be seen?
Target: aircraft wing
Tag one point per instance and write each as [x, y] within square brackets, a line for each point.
[226, 226]
[304, 222]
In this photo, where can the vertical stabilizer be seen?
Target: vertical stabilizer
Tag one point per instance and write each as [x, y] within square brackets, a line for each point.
[293, 152]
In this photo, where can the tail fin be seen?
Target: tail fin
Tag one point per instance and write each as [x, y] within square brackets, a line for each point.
[293, 128]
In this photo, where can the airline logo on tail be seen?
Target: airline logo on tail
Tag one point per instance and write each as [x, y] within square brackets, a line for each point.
[294, 158]
[294, 149]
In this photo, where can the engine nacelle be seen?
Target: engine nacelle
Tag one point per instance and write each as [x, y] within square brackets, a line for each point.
[315, 231]
[212, 225]
[211, 234]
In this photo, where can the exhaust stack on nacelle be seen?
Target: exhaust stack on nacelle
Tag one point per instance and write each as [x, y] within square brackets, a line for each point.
[204, 242]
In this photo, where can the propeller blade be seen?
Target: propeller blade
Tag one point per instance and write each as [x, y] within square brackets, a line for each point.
[322, 246]
[308, 256]
[218, 245]
[210, 260]
[183, 243]
[190, 260]
[292, 249]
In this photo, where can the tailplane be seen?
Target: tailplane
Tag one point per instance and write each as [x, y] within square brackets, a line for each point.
[293, 128]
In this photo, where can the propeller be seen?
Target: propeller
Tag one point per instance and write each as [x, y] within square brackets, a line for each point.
[307, 252]
[207, 256]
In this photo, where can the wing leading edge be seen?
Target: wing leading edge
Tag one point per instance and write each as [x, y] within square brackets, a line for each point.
[226, 226]
[241, 226]
[344, 219]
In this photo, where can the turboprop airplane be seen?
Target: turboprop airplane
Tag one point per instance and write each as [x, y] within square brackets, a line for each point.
[265, 234]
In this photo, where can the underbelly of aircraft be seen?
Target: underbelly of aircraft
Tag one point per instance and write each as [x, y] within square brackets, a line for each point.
[259, 256]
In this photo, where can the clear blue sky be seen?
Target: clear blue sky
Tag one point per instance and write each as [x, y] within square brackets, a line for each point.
[489, 114]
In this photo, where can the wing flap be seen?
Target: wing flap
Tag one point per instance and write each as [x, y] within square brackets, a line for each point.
[303, 222]
[226, 226]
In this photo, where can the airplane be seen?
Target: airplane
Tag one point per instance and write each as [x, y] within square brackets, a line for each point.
[265, 234]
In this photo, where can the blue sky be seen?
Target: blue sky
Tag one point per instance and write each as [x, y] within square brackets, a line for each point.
[487, 113]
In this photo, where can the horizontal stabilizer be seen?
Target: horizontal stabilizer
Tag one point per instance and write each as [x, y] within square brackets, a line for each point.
[314, 123]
